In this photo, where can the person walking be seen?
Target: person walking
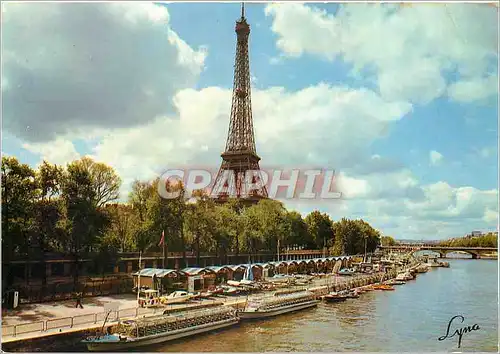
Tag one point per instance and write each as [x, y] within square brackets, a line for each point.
[79, 297]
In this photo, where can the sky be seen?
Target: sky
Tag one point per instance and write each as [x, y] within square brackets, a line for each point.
[402, 101]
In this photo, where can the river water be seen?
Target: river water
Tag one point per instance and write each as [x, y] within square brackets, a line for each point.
[411, 318]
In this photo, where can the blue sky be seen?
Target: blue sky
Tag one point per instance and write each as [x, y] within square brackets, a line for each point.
[400, 101]
[442, 125]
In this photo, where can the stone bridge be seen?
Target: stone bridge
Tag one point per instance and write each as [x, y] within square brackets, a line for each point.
[475, 252]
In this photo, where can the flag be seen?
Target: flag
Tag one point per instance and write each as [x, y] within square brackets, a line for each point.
[162, 240]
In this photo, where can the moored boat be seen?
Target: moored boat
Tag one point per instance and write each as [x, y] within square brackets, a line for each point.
[352, 294]
[383, 287]
[276, 305]
[395, 282]
[348, 272]
[334, 297]
[177, 297]
[163, 328]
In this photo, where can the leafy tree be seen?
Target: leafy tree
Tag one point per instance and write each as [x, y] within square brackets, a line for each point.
[84, 194]
[18, 195]
[48, 211]
[227, 221]
[200, 225]
[104, 180]
[123, 226]
[352, 236]
[71, 210]
[487, 240]
[299, 232]
[387, 241]
[320, 227]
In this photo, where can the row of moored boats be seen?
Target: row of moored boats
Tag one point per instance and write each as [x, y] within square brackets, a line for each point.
[169, 326]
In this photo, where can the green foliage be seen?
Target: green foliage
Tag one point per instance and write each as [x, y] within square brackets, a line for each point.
[70, 209]
[388, 241]
[488, 240]
[353, 236]
[320, 227]
[19, 196]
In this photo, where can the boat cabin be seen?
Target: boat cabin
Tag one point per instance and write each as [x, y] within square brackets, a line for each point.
[238, 272]
[199, 279]
[157, 279]
[148, 298]
[222, 274]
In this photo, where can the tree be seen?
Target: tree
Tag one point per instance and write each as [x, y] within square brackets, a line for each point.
[200, 225]
[138, 197]
[48, 211]
[124, 223]
[227, 221]
[86, 220]
[263, 225]
[351, 236]
[18, 195]
[105, 182]
[387, 241]
[489, 239]
[320, 227]
[299, 232]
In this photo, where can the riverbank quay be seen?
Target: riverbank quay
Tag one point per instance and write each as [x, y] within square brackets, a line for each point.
[48, 324]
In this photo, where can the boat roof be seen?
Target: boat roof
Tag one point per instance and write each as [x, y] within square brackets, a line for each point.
[149, 291]
[195, 271]
[237, 267]
[150, 272]
[218, 268]
[253, 265]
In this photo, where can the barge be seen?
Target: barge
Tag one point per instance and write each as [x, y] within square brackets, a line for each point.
[277, 305]
[163, 328]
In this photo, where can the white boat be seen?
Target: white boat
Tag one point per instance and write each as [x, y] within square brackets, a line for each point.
[404, 276]
[277, 305]
[164, 328]
[177, 297]
[281, 278]
[229, 290]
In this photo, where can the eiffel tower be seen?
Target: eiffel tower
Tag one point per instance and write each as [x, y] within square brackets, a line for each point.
[240, 162]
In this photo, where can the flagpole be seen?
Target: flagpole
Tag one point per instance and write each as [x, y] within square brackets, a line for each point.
[278, 250]
[163, 238]
[139, 278]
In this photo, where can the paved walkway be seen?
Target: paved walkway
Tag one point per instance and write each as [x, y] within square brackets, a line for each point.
[51, 310]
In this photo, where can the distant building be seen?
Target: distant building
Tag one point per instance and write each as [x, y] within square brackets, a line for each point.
[476, 233]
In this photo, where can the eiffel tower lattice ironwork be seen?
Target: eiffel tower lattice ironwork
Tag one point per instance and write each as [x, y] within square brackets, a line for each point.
[239, 175]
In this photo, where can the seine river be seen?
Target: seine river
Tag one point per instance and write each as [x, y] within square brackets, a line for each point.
[411, 318]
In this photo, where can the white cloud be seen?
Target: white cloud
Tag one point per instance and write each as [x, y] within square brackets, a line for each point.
[320, 111]
[490, 216]
[73, 66]
[435, 158]
[160, 122]
[473, 89]
[59, 151]
[410, 50]
[445, 202]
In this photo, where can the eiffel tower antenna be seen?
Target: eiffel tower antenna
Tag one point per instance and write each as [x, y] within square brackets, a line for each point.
[239, 174]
